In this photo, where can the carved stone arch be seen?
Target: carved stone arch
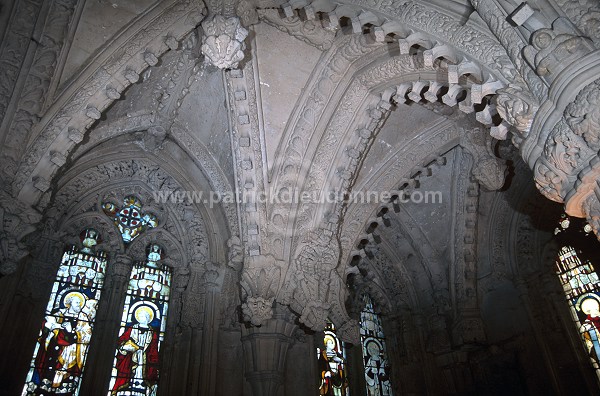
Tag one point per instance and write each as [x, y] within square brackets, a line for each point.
[120, 174]
[366, 90]
[181, 135]
[392, 173]
[441, 32]
[116, 67]
[110, 239]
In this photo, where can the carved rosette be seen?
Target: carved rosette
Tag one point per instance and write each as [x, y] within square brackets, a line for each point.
[223, 43]
[17, 220]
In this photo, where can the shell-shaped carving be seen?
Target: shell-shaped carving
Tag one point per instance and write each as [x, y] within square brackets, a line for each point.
[223, 51]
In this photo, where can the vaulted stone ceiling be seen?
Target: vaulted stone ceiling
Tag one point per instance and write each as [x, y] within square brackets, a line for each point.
[357, 99]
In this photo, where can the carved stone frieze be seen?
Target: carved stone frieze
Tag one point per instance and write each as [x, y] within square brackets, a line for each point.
[13, 50]
[498, 49]
[223, 41]
[583, 115]
[466, 201]
[31, 100]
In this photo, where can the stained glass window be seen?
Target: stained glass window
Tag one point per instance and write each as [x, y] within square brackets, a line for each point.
[582, 288]
[374, 352]
[136, 365]
[129, 219]
[581, 283]
[332, 364]
[61, 351]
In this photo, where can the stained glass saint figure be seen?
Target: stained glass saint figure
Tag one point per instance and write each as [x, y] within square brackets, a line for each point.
[589, 305]
[129, 219]
[332, 363]
[582, 288]
[60, 354]
[136, 366]
[374, 351]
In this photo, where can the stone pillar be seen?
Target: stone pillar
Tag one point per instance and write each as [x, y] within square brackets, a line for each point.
[265, 352]
[23, 301]
[17, 220]
[106, 332]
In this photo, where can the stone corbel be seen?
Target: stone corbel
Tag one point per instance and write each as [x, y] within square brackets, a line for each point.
[17, 220]
[488, 170]
[315, 262]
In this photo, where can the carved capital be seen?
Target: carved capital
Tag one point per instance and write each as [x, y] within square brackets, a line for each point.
[17, 220]
[223, 42]
[261, 277]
